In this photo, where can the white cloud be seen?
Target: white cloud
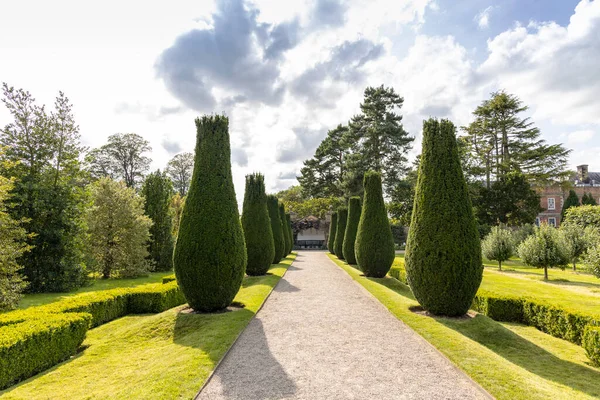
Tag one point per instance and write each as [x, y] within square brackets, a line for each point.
[580, 136]
[483, 18]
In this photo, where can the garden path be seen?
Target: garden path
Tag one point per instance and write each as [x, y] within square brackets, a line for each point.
[322, 336]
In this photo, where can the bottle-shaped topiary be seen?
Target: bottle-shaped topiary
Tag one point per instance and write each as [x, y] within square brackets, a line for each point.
[342, 219]
[443, 251]
[332, 232]
[374, 246]
[210, 254]
[354, 210]
[284, 230]
[257, 226]
[276, 228]
[288, 221]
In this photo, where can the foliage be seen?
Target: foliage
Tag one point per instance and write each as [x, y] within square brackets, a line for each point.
[592, 259]
[399, 233]
[210, 254]
[285, 230]
[354, 211]
[276, 228]
[443, 250]
[288, 219]
[157, 191]
[317, 207]
[498, 245]
[591, 343]
[583, 216]
[340, 231]
[179, 169]
[588, 199]
[374, 246]
[258, 234]
[118, 230]
[402, 196]
[576, 242]
[332, 233]
[545, 249]
[293, 194]
[121, 158]
[571, 201]
[176, 208]
[48, 193]
[521, 233]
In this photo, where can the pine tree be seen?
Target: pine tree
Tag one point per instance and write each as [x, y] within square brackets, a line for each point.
[588, 199]
[354, 211]
[158, 191]
[276, 227]
[342, 219]
[571, 201]
[284, 230]
[332, 232]
[257, 226]
[443, 251]
[374, 246]
[210, 254]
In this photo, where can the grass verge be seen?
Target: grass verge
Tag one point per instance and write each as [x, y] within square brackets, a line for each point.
[510, 361]
[163, 356]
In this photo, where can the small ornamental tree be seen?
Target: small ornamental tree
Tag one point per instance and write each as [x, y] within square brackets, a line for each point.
[374, 245]
[342, 219]
[545, 249]
[571, 201]
[576, 242]
[210, 254]
[354, 210]
[592, 259]
[443, 250]
[257, 226]
[498, 245]
[284, 230]
[288, 219]
[332, 232]
[588, 200]
[276, 228]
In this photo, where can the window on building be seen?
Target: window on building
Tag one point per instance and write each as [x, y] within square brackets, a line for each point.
[551, 203]
[552, 221]
[537, 221]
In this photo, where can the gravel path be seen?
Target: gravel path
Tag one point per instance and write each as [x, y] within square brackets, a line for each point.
[322, 336]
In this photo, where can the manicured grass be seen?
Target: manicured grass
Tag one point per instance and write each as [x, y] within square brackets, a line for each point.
[510, 361]
[38, 299]
[162, 356]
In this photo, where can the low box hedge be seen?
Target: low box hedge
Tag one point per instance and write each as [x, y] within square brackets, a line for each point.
[168, 278]
[37, 338]
[591, 343]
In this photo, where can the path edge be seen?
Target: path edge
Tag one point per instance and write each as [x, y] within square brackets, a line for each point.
[212, 373]
[449, 361]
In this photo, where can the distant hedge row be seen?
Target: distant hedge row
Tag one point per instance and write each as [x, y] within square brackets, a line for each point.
[37, 338]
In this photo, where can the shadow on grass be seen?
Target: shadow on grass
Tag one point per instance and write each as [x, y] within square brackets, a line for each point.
[514, 348]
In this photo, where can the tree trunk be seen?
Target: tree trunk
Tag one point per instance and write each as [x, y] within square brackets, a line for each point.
[574, 266]
[545, 273]
[499, 265]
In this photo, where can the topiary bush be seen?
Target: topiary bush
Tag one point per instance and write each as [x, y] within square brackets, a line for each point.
[276, 228]
[374, 246]
[210, 254]
[288, 220]
[342, 219]
[591, 343]
[284, 230]
[443, 251]
[354, 210]
[332, 232]
[257, 226]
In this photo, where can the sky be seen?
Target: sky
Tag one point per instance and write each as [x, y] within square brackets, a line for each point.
[285, 72]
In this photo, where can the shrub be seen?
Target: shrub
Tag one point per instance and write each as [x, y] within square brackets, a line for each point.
[592, 259]
[443, 251]
[545, 249]
[257, 226]
[354, 210]
[154, 298]
[498, 245]
[576, 242]
[288, 220]
[584, 216]
[210, 255]
[521, 233]
[398, 271]
[285, 231]
[374, 246]
[342, 219]
[332, 232]
[499, 307]
[591, 343]
[571, 201]
[168, 278]
[276, 228]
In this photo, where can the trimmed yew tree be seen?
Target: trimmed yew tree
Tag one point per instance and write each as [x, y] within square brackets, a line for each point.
[210, 254]
[443, 250]
[332, 232]
[276, 228]
[257, 226]
[288, 221]
[342, 219]
[354, 210]
[374, 246]
[284, 231]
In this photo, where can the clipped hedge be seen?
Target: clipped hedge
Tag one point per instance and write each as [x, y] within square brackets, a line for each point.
[354, 211]
[168, 278]
[342, 219]
[332, 233]
[591, 343]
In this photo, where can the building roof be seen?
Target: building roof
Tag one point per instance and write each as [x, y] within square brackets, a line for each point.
[594, 177]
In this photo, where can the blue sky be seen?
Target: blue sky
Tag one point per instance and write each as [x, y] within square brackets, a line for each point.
[286, 72]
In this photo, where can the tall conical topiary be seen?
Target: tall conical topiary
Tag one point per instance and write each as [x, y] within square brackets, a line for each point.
[257, 226]
[276, 228]
[284, 230]
[374, 246]
[332, 232]
[288, 222]
[342, 219]
[354, 211]
[210, 254]
[443, 251]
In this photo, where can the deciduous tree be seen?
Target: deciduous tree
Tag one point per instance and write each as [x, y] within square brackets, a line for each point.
[180, 169]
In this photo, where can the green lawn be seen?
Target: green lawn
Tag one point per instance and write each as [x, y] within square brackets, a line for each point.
[38, 299]
[163, 356]
[510, 361]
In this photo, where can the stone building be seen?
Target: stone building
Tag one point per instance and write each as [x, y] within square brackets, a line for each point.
[552, 198]
[310, 232]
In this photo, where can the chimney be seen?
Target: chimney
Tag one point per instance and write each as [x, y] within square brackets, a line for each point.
[582, 173]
